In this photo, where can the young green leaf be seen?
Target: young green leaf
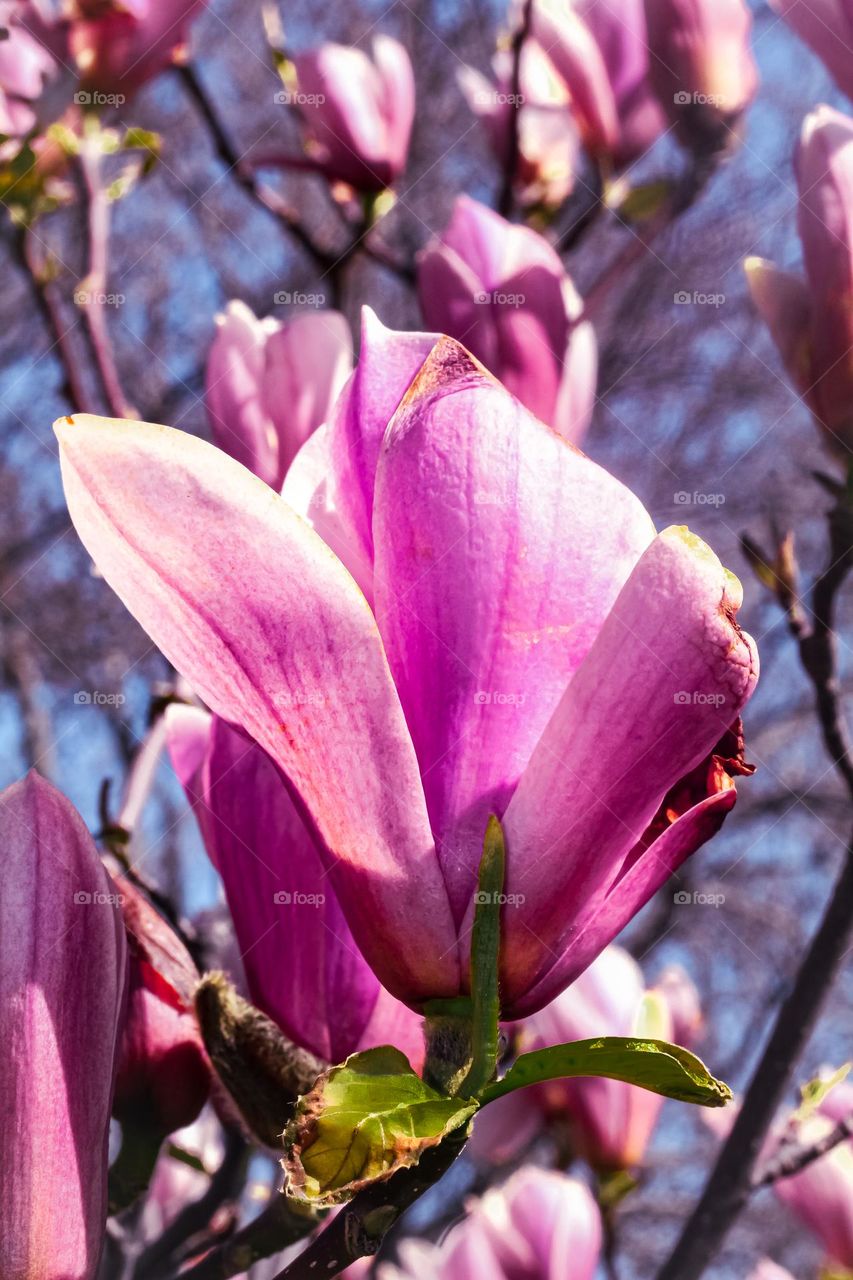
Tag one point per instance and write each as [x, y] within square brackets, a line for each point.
[485, 960]
[652, 1064]
[362, 1122]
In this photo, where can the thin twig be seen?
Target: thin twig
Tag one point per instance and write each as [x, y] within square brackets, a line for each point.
[225, 1186]
[798, 1156]
[92, 294]
[49, 307]
[505, 200]
[280, 1225]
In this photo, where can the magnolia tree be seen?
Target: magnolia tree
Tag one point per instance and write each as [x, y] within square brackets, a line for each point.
[447, 701]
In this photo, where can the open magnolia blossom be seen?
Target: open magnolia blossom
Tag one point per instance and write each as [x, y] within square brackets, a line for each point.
[491, 626]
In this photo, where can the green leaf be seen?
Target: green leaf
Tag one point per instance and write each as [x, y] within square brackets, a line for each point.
[814, 1091]
[485, 960]
[652, 1064]
[361, 1123]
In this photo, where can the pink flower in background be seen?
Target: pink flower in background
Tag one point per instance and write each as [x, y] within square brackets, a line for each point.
[502, 291]
[269, 384]
[619, 28]
[163, 1077]
[358, 111]
[821, 1195]
[600, 49]
[826, 26]
[547, 687]
[548, 139]
[685, 1009]
[609, 1123]
[115, 46]
[811, 319]
[540, 1225]
[62, 983]
[302, 966]
[25, 69]
[766, 1269]
[701, 67]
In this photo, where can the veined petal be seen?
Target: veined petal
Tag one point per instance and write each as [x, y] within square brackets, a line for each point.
[499, 552]
[253, 609]
[62, 981]
[667, 674]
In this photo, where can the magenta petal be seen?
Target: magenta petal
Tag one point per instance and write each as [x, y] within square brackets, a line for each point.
[612, 909]
[254, 610]
[62, 982]
[577, 56]
[484, 613]
[667, 675]
[784, 303]
[302, 965]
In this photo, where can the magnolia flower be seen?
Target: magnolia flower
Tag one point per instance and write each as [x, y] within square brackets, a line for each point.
[163, 1077]
[826, 26]
[61, 991]
[114, 46]
[533, 650]
[619, 28]
[811, 319]
[701, 67]
[610, 1123]
[540, 1225]
[269, 385]
[821, 1194]
[25, 68]
[600, 49]
[358, 111]
[548, 138]
[302, 966]
[502, 290]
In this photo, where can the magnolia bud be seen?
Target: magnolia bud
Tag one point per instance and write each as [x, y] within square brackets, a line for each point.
[263, 1072]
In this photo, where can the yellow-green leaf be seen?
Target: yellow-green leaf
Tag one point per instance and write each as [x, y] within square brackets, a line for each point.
[362, 1122]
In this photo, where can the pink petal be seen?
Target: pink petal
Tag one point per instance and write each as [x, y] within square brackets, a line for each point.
[61, 993]
[667, 674]
[252, 608]
[499, 551]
